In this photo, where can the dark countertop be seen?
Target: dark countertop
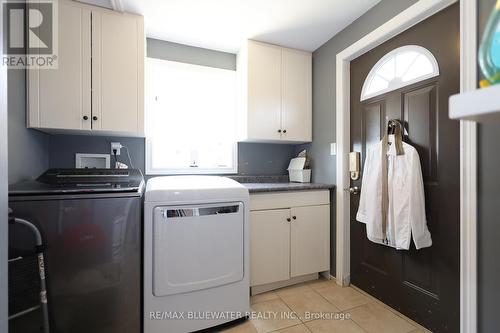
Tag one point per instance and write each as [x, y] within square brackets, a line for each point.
[278, 187]
[278, 183]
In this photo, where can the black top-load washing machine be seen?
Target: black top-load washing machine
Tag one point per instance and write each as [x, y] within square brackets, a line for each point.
[90, 223]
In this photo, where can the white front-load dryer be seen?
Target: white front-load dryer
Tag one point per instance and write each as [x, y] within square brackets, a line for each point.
[196, 253]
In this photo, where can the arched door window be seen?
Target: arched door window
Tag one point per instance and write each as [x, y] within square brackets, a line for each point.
[401, 67]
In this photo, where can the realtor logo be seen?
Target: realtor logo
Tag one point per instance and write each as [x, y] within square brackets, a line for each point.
[30, 30]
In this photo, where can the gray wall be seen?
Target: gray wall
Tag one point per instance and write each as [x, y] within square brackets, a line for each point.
[189, 54]
[488, 212]
[28, 149]
[324, 83]
[253, 158]
[3, 189]
[323, 164]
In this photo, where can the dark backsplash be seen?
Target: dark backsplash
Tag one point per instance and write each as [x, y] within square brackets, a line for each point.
[253, 158]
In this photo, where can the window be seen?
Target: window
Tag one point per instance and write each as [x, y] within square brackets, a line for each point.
[399, 68]
[190, 119]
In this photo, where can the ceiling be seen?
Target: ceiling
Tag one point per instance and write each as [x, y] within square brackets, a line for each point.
[101, 3]
[224, 24]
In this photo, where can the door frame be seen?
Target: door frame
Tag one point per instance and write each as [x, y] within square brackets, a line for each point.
[414, 14]
[3, 190]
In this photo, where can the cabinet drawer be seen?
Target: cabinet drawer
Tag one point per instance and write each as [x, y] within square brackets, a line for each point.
[276, 200]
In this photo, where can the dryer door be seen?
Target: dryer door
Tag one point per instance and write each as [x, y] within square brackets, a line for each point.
[197, 247]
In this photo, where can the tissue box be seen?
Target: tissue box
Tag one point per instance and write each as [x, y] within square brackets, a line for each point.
[300, 176]
[296, 171]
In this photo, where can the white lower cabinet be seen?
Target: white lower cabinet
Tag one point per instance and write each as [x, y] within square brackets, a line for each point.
[270, 246]
[309, 240]
[288, 240]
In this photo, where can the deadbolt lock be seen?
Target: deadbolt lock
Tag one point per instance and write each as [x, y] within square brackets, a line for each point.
[354, 165]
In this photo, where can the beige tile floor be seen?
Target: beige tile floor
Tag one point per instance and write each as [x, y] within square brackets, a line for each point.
[342, 310]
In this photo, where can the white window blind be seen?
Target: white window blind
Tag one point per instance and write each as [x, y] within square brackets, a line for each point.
[190, 119]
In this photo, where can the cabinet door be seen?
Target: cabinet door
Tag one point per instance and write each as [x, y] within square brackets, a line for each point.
[264, 92]
[60, 98]
[117, 72]
[310, 240]
[297, 101]
[269, 246]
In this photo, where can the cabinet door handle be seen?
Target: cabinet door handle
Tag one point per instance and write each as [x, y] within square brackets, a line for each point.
[294, 217]
[284, 131]
[94, 118]
[279, 131]
[288, 219]
[85, 118]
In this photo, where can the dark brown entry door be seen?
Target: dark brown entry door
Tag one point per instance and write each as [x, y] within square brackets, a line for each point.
[423, 284]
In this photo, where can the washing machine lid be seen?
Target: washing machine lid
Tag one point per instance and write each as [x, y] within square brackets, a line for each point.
[193, 188]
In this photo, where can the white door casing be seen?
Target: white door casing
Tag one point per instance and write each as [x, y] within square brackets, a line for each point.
[468, 172]
[3, 191]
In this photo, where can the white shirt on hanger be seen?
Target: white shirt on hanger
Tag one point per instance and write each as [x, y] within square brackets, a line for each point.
[406, 210]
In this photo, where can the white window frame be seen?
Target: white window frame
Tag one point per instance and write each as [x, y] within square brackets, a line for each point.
[191, 171]
[391, 87]
[181, 171]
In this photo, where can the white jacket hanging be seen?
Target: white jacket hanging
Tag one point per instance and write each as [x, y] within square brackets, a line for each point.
[406, 210]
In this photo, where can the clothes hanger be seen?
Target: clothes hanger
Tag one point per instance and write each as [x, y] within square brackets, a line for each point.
[394, 127]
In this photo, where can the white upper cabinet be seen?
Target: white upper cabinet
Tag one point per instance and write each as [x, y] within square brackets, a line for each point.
[99, 84]
[274, 94]
[264, 91]
[60, 98]
[296, 95]
[117, 72]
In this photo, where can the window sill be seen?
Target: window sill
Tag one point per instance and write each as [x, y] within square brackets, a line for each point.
[190, 172]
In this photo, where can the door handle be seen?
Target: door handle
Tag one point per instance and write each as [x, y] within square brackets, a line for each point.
[353, 190]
